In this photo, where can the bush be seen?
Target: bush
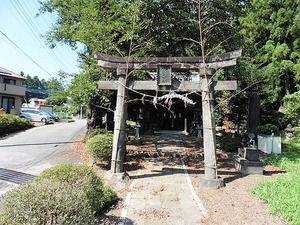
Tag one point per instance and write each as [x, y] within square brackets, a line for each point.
[100, 146]
[84, 179]
[229, 142]
[47, 202]
[268, 129]
[12, 123]
[4, 220]
[95, 132]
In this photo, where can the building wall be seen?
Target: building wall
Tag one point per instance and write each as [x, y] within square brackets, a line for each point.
[17, 102]
[11, 94]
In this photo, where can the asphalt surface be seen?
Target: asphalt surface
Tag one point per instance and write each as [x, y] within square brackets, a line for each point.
[25, 154]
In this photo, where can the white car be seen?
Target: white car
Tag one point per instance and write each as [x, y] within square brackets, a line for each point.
[25, 116]
[37, 115]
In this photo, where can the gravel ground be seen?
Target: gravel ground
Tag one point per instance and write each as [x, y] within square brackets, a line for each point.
[230, 205]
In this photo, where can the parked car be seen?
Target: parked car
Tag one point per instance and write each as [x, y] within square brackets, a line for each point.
[37, 115]
[54, 117]
[25, 116]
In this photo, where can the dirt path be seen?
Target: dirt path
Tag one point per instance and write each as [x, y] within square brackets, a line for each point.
[159, 192]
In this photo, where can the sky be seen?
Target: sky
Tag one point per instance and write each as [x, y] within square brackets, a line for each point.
[22, 47]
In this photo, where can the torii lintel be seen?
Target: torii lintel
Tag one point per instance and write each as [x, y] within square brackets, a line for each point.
[149, 63]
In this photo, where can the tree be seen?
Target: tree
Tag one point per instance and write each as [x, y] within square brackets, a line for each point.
[100, 25]
[138, 28]
[291, 107]
[83, 92]
[271, 30]
[57, 94]
[35, 88]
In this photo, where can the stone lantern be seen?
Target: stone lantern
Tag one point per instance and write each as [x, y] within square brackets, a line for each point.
[289, 132]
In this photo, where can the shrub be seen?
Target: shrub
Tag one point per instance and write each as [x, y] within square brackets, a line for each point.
[95, 132]
[100, 146]
[229, 142]
[84, 179]
[267, 129]
[47, 202]
[12, 123]
[4, 220]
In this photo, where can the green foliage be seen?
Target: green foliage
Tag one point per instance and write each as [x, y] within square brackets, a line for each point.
[47, 202]
[290, 156]
[4, 220]
[228, 142]
[270, 31]
[268, 129]
[100, 146]
[283, 196]
[57, 94]
[291, 107]
[84, 179]
[35, 88]
[283, 193]
[80, 89]
[95, 132]
[137, 28]
[12, 123]
[111, 27]
[271, 116]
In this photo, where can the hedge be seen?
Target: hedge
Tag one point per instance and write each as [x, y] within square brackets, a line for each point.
[100, 146]
[12, 123]
[63, 194]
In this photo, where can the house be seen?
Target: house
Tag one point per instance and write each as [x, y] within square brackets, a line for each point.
[11, 91]
[36, 102]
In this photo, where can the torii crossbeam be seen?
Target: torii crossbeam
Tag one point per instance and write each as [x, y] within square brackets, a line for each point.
[206, 66]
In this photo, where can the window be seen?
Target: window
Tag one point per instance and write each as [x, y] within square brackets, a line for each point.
[9, 81]
[7, 103]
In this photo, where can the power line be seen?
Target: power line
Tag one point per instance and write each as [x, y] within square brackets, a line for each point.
[25, 13]
[37, 29]
[66, 55]
[42, 22]
[24, 53]
[24, 16]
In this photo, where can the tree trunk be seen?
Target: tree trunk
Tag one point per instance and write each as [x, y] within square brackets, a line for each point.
[94, 115]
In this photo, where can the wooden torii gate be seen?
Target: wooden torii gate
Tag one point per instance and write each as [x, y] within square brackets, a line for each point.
[206, 66]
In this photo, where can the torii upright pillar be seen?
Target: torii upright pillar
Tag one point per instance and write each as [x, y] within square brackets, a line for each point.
[206, 86]
[210, 179]
[119, 144]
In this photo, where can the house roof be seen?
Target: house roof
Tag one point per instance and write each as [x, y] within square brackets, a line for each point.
[8, 73]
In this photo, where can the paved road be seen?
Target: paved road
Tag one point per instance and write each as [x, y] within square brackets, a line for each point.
[26, 154]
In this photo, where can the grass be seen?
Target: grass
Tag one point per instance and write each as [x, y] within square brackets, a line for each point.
[282, 194]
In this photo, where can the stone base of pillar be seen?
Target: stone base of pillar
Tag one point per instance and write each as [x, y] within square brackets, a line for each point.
[211, 183]
[185, 132]
[122, 177]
